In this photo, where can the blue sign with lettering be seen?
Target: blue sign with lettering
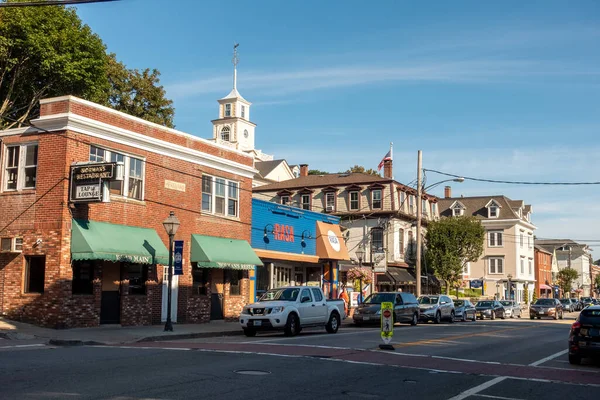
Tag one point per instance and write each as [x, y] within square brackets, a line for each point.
[476, 283]
[178, 258]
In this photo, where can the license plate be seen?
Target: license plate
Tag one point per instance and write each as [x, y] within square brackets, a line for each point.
[257, 323]
[542, 312]
[366, 318]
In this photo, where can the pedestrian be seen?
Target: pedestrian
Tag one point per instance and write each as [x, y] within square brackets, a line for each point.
[344, 296]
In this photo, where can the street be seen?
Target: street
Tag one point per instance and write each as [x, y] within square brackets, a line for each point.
[510, 359]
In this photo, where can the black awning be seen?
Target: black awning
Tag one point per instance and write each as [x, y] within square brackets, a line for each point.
[396, 276]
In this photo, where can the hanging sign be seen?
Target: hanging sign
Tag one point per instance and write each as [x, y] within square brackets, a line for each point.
[387, 322]
[178, 257]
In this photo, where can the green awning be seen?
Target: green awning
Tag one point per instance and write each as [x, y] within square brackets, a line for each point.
[216, 252]
[92, 240]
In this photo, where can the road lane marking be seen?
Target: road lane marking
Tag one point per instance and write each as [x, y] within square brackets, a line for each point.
[463, 336]
[20, 346]
[496, 397]
[543, 360]
[279, 339]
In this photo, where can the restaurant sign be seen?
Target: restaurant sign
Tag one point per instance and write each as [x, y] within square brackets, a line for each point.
[86, 183]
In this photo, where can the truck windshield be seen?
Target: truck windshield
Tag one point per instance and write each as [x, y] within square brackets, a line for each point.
[288, 294]
[378, 298]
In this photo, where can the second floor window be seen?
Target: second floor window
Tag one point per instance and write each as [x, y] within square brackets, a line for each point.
[496, 265]
[411, 203]
[330, 201]
[132, 185]
[530, 267]
[305, 201]
[530, 241]
[285, 199]
[225, 134]
[402, 200]
[20, 167]
[522, 265]
[521, 240]
[377, 201]
[495, 239]
[228, 110]
[220, 196]
[354, 203]
[401, 240]
[424, 207]
[377, 240]
[434, 209]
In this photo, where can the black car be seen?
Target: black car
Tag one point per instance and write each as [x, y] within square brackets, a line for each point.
[552, 308]
[584, 338]
[490, 309]
[406, 308]
[464, 310]
[586, 301]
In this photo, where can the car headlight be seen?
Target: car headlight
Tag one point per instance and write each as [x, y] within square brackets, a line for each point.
[487, 311]
[552, 309]
[276, 310]
[245, 311]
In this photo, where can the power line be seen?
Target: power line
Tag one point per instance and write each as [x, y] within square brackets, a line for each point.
[50, 3]
[512, 182]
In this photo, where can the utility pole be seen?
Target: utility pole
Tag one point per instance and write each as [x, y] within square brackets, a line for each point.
[419, 212]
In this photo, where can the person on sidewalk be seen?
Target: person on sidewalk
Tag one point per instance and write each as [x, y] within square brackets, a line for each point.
[344, 296]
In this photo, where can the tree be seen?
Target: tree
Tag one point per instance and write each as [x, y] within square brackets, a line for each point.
[566, 277]
[317, 172]
[48, 52]
[526, 293]
[361, 169]
[597, 282]
[451, 244]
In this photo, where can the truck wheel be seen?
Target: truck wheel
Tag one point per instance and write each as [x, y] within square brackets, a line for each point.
[334, 323]
[415, 319]
[292, 325]
[249, 332]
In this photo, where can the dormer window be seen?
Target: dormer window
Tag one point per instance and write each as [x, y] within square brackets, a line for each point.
[377, 202]
[457, 211]
[493, 212]
[493, 209]
[225, 134]
[228, 110]
[285, 200]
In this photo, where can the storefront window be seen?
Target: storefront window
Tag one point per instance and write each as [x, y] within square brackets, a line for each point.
[83, 277]
[138, 275]
[235, 281]
[200, 280]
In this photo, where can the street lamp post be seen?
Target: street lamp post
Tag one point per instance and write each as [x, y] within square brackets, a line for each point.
[360, 254]
[171, 225]
[509, 276]
[497, 290]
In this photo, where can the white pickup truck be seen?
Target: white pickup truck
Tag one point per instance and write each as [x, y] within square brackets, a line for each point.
[290, 309]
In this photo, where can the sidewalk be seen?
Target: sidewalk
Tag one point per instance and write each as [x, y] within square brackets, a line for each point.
[116, 334]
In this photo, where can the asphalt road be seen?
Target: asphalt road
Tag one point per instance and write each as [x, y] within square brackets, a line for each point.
[512, 359]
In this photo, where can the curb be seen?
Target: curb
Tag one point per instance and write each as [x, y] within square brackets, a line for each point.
[196, 335]
[74, 342]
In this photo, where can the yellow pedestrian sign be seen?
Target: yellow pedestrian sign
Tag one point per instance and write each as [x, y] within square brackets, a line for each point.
[387, 322]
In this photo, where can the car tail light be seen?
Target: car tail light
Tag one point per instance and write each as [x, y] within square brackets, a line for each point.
[575, 327]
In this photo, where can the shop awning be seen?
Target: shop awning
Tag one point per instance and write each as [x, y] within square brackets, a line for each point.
[217, 252]
[280, 255]
[397, 276]
[330, 243]
[93, 240]
[545, 287]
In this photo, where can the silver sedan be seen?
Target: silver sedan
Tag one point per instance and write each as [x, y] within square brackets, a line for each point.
[512, 308]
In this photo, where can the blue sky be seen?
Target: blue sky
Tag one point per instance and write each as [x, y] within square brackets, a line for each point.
[500, 90]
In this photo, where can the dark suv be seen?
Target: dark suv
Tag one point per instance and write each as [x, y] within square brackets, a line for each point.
[406, 308]
[552, 308]
[584, 338]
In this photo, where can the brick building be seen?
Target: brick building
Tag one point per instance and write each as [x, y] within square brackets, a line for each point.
[66, 264]
[543, 272]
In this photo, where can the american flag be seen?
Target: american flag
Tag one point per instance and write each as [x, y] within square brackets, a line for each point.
[387, 157]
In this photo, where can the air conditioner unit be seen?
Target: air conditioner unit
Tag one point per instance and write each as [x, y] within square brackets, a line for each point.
[11, 245]
[119, 171]
[329, 208]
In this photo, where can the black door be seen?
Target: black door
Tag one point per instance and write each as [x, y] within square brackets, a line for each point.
[216, 306]
[110, 308]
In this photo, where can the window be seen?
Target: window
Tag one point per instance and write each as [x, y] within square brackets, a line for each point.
[495, 239]
[200, 280]
[220, 196]
[354, 201]
[434, 209]
[6, 244]
[424, 207]
[401, 240]
[402, 200]
[530, 241]
[285, 199]
[243, 111]
[467, 268]
[225, 134]
[496, 265]
[377, 240]
[376, 198]
[306, 293]
[521, 240]
[21, 167]
[493, 211]
[522, 265]
[329, 201]
[83, 277]
[132, 185]
[137, 275]
[530, 267]
[305, 201]
[35, 270]
[411, 240]
[235, 278]
[228, 110]
[411, 203]
[457, 211]
[317, 294]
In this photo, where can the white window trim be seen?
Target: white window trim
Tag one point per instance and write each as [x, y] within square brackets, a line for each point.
[20, 166]
[284, 197]
[490, 211]
[225, 110]
[495, 234]
[350, 200]
[331, 195]
[302, 197]
[530, 266]
[380, 199]
[522, 265]
[213, 195]
[460, 211]
[490, 259]
[126, 157]
[521, 240]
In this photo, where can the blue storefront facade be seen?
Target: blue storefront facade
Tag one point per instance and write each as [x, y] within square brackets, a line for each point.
[297, 247]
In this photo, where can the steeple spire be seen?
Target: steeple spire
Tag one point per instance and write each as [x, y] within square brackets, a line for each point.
[235, 61]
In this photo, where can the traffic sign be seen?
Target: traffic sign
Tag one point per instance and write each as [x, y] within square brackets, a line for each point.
[387, 322]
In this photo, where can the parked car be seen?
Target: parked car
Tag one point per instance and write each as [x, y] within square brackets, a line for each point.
[584, 338]
[577, 303]
[568, 305]
[586, 301]
[490, 309]
[290, 309]
[465, 310]
[406, 308]
[546, 308]
[512, 308]
[436, 308]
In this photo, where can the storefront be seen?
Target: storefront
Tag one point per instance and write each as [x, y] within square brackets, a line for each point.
[396, 279]
[297, 247]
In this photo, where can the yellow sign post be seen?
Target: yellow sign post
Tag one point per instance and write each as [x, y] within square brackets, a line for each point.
[387, 324]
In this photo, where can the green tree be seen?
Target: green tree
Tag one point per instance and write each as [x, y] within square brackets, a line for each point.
[566, 277]
[597, 282]
[361, 169]
[451, 243]
[526, 293]
[317, 172]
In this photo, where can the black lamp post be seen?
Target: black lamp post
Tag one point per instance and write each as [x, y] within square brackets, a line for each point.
[171, 225]
[509, 276]
[360, 254]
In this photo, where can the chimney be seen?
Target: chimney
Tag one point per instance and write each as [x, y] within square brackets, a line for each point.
[387, 169]
[303, 169]
[447, 192]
